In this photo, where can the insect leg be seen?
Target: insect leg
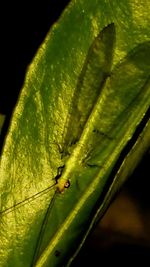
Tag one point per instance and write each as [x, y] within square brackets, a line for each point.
[42, 230]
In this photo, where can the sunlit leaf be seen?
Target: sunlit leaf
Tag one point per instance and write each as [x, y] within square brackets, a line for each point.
[80, 105]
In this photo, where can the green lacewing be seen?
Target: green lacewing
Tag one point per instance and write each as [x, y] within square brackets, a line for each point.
[97, 64]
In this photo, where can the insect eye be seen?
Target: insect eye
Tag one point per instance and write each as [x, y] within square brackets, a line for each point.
[67, 184]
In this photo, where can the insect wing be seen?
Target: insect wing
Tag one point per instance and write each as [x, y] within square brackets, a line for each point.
[94, 72]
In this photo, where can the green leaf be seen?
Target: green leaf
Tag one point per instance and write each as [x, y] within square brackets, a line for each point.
[80, 105]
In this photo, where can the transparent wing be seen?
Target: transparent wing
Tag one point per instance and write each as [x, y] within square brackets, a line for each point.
[96, 69]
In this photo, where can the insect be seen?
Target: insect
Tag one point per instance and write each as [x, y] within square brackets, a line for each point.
[96, 60]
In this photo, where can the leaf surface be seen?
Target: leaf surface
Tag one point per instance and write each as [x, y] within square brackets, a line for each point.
[79, 107]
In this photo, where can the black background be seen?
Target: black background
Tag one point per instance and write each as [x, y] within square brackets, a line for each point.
[24, 25]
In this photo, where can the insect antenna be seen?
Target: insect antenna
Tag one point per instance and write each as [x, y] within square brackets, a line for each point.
[26, 200]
